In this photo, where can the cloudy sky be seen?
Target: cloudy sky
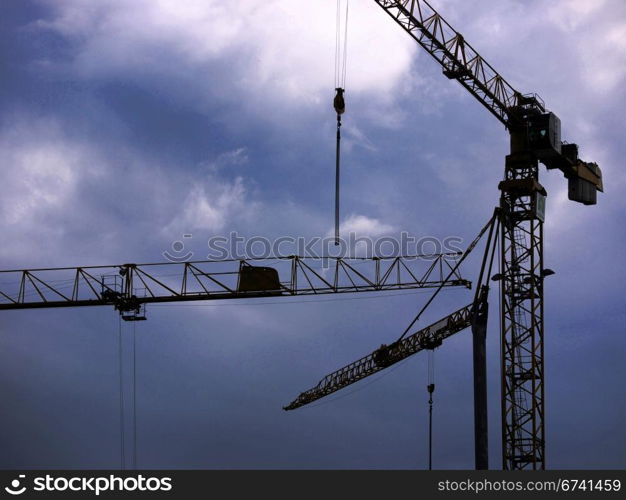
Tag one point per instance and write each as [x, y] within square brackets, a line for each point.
[126, 124]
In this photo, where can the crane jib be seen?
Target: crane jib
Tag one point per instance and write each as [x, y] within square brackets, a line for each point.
[458, 58]
[386, 355]
[460, 61]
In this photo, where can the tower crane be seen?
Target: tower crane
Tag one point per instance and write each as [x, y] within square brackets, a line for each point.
[535, 137]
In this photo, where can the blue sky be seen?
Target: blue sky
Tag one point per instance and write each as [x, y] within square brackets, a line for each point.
[125, 125]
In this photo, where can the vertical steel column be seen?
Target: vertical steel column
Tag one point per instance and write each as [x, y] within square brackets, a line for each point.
[523, 439]
[479, 335]
[480, 314]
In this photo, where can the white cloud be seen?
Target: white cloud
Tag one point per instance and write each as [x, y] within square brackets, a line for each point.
[282, 50]
[571, 14]
[353, 136]
[363, 226]
[210, 207]
[276, 57]
[280, 54]
[69, 200]
[564, 47]
[41, 170]
[235, 158]
[41, 195]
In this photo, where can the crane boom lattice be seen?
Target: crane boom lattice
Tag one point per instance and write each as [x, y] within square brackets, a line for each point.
[427, 338]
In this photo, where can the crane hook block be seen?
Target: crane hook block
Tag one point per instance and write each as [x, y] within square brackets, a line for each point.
[339, 102]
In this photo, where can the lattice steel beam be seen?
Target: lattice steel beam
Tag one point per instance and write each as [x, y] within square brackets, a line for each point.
[459, 60]
[427, 338]
[129, 286]
[523, 433]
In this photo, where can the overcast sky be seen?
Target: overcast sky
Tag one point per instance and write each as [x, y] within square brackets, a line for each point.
[126, 124]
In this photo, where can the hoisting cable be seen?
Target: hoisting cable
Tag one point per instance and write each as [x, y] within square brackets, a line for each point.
[341, 57]
[135, 395]
[431, 388]
[468, 250]
[490, 246]
[493, 250]
[121, 387]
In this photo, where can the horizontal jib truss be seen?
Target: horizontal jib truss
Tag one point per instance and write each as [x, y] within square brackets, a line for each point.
[458, 58]
[128, 285]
